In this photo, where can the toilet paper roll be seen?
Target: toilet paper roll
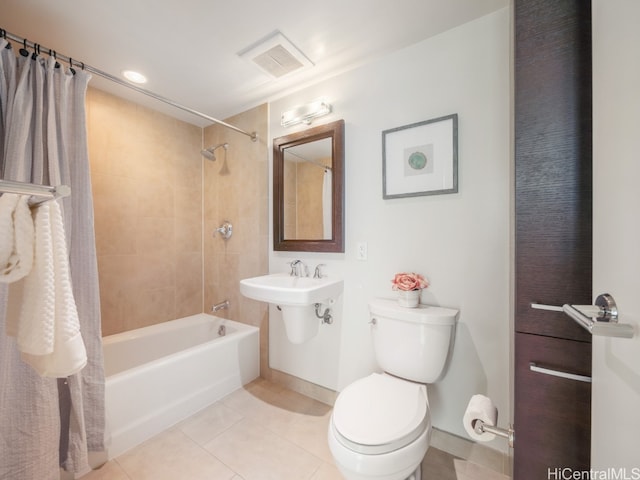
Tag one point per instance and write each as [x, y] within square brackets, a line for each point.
[480, 408]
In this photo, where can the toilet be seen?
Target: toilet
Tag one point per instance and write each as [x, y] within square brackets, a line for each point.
[381, 424]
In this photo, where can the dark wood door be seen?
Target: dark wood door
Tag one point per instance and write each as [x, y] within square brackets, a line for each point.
[553, 234]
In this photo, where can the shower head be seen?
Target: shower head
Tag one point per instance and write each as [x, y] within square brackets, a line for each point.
[209, 154]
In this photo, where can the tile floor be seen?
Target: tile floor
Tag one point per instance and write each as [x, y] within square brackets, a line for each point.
[260, 432]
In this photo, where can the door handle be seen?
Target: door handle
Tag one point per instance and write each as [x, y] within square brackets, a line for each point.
[599, 319]
[559, 373]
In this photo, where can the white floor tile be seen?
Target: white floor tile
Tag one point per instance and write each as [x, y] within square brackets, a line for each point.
[205, 425]
[261, 432]
[109, 471]
[257, 453]
[327, 472]
[172, 455]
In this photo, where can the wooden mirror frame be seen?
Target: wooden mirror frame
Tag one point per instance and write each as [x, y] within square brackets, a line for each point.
[335, 131]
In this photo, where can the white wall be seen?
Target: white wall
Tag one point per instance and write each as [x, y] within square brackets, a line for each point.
[459, 241]
[615, 418]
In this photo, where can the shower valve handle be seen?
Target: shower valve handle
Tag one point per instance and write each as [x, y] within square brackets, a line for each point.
[225, 230]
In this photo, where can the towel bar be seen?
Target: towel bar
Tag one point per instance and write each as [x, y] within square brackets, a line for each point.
[540, 306]
[44, 192]
[558, 373]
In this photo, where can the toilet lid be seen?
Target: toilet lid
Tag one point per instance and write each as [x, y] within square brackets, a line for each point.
[380, 413]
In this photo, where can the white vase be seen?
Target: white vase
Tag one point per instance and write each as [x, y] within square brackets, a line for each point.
[409, 299]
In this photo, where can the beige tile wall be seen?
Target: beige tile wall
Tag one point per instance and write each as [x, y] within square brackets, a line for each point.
[146, 174]
[289, 182]
[237, 190]
[302, 185]
[157, 203]
[309, 195]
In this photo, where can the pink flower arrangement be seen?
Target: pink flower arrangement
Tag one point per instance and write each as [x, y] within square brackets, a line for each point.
[409, 281]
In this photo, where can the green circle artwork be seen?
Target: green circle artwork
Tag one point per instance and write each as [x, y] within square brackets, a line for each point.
[417, 160]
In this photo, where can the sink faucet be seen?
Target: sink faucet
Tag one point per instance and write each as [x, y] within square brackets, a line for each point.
[299, 269]
[318, 273]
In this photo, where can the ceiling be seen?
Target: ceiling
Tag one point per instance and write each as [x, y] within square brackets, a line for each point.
[189, 49]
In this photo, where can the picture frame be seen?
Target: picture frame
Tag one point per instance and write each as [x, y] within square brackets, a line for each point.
[421, 158]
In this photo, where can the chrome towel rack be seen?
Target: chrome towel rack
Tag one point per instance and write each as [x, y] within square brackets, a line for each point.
[600, 319]
[41, 193]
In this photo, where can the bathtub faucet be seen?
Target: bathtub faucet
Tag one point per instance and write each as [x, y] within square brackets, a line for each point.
[220, 306]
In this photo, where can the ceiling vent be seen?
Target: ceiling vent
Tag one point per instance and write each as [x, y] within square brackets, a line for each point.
[276, 56]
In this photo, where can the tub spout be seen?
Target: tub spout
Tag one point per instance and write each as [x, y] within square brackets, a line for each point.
[220, 306]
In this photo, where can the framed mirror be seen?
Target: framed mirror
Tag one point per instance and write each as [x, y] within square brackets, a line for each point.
[308, 190]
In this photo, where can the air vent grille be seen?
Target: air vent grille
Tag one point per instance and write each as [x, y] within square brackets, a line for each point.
[276, 56]
[277, 61]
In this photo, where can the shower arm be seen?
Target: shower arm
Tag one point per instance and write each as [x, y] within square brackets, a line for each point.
[211, 150]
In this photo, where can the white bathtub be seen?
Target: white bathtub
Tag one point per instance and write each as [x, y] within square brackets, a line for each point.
[159, 375]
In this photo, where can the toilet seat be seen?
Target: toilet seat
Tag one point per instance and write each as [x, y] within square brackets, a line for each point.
[379, 414]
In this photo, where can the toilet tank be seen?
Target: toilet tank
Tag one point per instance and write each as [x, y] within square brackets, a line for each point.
[412, 343]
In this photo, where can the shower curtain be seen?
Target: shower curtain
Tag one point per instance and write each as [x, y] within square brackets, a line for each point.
[46, 423]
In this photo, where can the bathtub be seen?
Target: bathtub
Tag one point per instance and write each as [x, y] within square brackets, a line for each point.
[161, 374]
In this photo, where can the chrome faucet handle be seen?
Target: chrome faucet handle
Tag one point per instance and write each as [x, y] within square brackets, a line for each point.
[294, 268]
[318, 273]
[225, 230]
[299, 269]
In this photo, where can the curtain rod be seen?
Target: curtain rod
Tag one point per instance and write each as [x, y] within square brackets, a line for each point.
[288, 151]
[108, 76]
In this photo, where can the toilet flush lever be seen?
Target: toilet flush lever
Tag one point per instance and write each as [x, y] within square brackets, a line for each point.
[373, 321]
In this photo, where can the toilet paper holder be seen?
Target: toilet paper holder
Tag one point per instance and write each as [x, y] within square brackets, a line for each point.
[481, 427]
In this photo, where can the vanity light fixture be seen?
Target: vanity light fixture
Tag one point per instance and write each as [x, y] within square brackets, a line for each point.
[134, 77]
[305, 113]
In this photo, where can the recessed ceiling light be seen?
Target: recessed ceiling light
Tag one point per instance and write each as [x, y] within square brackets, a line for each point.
[134, 77]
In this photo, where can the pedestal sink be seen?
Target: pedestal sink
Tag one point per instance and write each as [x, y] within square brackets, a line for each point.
[296, 297]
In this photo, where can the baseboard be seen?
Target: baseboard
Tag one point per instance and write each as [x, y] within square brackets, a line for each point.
[471, 451]
[322, 394]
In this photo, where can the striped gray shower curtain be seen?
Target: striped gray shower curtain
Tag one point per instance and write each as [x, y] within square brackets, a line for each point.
[45, 422]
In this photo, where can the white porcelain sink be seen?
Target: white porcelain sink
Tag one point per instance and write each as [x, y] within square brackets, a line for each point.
[283, 289]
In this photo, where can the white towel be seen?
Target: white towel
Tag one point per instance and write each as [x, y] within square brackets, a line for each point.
[16, 237]
[48, 328]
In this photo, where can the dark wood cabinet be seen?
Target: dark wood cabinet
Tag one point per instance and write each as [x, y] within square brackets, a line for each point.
[553, 256]
[552, 410]
[553, 163]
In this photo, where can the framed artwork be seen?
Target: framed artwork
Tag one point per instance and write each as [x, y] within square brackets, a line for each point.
[421, 158]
